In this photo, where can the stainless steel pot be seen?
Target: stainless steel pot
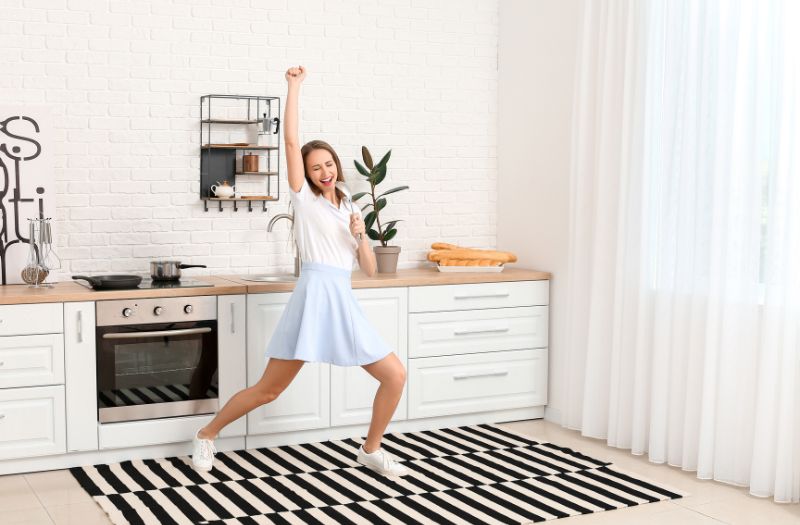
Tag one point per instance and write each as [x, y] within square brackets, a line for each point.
[169, 270]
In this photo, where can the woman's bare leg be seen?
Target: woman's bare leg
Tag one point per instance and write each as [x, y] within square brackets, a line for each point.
[277, 376]
[392, 375]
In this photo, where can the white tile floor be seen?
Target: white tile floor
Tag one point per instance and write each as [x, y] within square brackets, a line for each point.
[55, 497]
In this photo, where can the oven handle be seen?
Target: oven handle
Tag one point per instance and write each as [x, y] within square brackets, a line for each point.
[160, 333]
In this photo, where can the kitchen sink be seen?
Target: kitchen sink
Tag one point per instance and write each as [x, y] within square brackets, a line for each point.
[270, 278]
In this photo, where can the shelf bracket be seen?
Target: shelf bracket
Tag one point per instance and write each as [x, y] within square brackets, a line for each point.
[250, 206]
[220, 206]
[234, 206]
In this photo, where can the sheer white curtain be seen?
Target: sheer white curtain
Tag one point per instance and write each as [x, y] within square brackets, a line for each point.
[684, 291]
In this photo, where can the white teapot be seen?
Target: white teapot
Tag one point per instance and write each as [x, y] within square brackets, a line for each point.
[224, 190]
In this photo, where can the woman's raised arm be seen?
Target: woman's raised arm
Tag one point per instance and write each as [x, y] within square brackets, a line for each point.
[294, 159]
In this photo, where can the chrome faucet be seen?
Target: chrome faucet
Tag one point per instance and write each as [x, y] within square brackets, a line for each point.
[290, 218]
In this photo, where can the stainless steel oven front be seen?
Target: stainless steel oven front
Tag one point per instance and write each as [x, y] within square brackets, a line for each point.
[156, 358]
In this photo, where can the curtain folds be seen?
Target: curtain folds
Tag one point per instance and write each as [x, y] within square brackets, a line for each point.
[684, 285]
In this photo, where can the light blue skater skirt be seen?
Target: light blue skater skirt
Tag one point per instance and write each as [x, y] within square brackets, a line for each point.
[324, 323]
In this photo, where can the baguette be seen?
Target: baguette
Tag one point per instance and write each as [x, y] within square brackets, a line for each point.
[469, 254]
[488, 254]
[468, 262]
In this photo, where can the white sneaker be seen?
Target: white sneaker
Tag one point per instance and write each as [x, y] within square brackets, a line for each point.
[381, 462]
[203, 454]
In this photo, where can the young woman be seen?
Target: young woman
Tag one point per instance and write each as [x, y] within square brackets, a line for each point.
[323, 321]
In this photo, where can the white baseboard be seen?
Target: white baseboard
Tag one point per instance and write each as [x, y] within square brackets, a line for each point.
[114, 455]
[413, 425]
[77, 459]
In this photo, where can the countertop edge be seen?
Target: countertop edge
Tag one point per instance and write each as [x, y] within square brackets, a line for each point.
[70, 291]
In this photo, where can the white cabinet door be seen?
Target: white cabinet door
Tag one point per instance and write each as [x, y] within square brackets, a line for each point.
[32, 422]
[31, 360]
[459, 384]
[451, 297]
[305, 403]
[81, 376]
[232, 354]
[475, 331]
[352, 388]
[30, 319]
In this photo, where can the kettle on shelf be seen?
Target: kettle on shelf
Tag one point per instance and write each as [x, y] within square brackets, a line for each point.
[223, 190]
[267, 135]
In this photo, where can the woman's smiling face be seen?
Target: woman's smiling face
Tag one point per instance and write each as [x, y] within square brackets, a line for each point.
[321, 169]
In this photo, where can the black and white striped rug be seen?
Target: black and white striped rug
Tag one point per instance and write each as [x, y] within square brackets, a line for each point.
[478, 474]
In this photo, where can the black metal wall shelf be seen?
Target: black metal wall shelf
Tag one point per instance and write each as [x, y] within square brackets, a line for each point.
[223, 160]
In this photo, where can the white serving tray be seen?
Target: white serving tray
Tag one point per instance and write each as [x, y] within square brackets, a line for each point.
[471, 269]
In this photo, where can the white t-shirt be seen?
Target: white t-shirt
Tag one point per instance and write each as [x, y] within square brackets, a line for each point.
[321, 231]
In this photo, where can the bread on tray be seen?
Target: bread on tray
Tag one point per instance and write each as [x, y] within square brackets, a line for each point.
[446, 254]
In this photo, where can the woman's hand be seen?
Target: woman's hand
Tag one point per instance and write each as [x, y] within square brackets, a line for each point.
[295, 75]
[357, 225]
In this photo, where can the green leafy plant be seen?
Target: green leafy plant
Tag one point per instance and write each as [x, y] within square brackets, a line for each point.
[375, 174]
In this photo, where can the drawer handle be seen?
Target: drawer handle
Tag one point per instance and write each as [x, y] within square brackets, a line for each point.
[2, 416]
[487, 331]
[80, 326]
[233, 318]
[487, 296]
[2, 363]
[482, 374]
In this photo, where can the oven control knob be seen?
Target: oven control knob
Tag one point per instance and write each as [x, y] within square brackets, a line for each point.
[188, 308]
[158, 310]
[127, 312]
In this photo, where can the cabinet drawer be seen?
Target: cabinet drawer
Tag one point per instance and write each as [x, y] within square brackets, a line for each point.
[450, 333]
[31, 360]
[32, 422]
[30, 319]
[440, 386]
[474, 296]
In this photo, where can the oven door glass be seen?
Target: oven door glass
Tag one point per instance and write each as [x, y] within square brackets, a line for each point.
[156, 370]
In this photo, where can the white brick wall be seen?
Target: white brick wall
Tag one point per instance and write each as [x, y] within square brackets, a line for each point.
[124, 78]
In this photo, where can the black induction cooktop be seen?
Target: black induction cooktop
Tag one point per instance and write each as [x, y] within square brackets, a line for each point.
[151, 285]
[147, 284]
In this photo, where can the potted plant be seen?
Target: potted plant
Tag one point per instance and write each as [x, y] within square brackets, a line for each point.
[378, 230]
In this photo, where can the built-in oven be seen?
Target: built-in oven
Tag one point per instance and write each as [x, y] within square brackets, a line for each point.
[156, 358]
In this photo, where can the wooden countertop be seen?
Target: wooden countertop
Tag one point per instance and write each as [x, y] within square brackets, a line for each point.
[71, 291]
[426, 276]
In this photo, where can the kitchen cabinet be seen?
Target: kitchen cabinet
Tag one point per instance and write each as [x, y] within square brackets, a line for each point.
[232, 354]
[480, 296]
[477, 347]
[31, 360]
[32, 397]
[472, 331]
[81, 376]
[31, 319]
[474, 353]
[459, 384]
[32, 422]
[352, 388]
[305, 404]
